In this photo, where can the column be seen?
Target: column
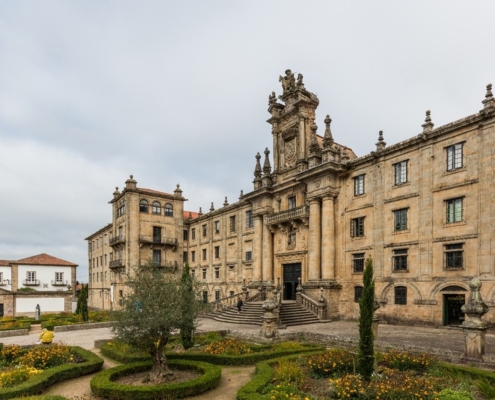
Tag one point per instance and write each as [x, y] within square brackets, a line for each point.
[314, 240]
[257, 247]
[267, 254]
[327, 240]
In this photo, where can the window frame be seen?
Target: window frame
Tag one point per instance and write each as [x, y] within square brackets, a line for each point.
[216, 227]
[232, 224]
[358, 262]
[193, 256]
[156, 208]
[249, 219]
[399, 260]
[455, 156]
[217, 252]
[204, 254]
[400, 295]
[193, 234]
[168, 210]
[359, 188]
[204, 230]
[357, 227]
[144, 206]
[452, 213]
[291, 202]
[400, 219]
[60, 276]
[249, 255]
[31, 276]
[454, 252]
[157, 257]
[217, 273]
[401, 172]
[358, 293]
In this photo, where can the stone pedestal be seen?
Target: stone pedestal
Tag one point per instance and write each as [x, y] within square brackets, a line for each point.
[474, 347]
[269, 323]
[374, 326]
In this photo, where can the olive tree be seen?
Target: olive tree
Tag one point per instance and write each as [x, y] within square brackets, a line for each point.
[150, 311]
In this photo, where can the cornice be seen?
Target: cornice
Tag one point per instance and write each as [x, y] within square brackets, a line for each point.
[455, 185]
[398, 198]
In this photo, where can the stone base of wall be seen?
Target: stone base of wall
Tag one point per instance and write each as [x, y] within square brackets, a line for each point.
[78, 327]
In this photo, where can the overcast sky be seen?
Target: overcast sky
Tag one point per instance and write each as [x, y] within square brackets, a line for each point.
[176, 92]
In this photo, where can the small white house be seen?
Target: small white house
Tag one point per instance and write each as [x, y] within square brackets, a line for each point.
[42, 280]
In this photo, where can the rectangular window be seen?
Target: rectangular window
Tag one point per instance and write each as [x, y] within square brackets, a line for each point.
[217, 227]
[248, 255]
[359, 185]
[358, 262]
[157, 234]
[193, 256]
[217, 251]
[232, 223]
[205, 296]
[185, 235]
[454, 157]
[454, 210]
[203, 227]
[357, 227]
[204, 274]
[31, 276]
[106, 260]
[157, 257]
[400, 260]
[249, 219]
[400, 172]
[193, 234]
[184, 256]
[291, 202]
[217, 273]
[59, 277]
[1, 277]
[400, 220]
[358, 292]
[217, 294]
[454, 256]
[400, 295]
[204, 254]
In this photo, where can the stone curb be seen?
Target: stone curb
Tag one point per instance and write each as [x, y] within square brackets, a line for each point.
[80, 327]
[14, 332]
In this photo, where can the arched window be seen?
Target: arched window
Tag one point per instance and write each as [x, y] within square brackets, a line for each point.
[169, 210]
[143, 206]
[358, 292]
[156, 208]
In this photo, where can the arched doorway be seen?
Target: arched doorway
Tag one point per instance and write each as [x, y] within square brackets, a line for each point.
[454, 298]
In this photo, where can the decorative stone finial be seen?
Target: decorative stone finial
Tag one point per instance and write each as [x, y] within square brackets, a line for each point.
[178, 191]
[200, 213]
[380, 145]
[226, 202]
[327, 138]
[489, 101]
[212, 207]
[266, 166]
[428, 125]
[130, 183]
[475, 308]
[116, 193]
[257, 169]
[314, 147]
[241, 194]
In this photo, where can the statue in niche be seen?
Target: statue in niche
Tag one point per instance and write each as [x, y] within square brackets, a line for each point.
[291, 239]
[288, 81]
[279, 245]
[304, 243]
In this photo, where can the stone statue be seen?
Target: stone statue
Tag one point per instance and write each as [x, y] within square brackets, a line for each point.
[272, 99]
[288, 81]
[299, 82]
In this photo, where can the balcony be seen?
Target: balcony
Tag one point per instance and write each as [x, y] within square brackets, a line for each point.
[116, 264]
[301, 213]
[4, 282]
[59, 283]
[158, 240]
[169, 265]
[31, 282]
[117, 240]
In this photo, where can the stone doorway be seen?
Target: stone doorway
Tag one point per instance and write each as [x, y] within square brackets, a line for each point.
[1, 309]
[452, 313]
[292, 273]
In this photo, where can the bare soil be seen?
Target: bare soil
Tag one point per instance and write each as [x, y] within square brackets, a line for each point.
[139, 379]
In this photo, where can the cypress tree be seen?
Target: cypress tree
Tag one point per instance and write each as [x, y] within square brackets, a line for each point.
[187, 309]
[366, 308]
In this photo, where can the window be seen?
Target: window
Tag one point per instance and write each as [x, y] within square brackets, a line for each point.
[231, 293]
[204, 254]
[204, 274]
[217, 273]
[454, 157]
[184, 256]
[143, 206]
[156, 208]
[193, 234]
[217, 227]
[359, 185]
[357, 227]
[120, 233]
[59, 277]
[400, 219]
[31, 276]
[169, 210]
[157, 257]
[232, 223]
[400, 260]
[358, 262]
[454, 210]
[217, 294]
[205, 296]
[203, 227]
[193, 273]
[249, 219]
[193, 256]
[185, 235]
[120, 209]
[454, 256]
[291, 202]
[358, 292]
[217, 251]
[400, 172]
[106, 263]
[157, 234]
[249, 256]
[1, 277]
[400, 295]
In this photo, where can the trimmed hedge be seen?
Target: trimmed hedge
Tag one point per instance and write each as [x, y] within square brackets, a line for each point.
[473, 373]
[217, 359]
[40, 382]
[22, 325]
[42, 397]
[103, 384]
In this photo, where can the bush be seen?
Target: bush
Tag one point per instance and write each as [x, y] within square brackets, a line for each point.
[287, 372]
[228, 346]
[43, 357]
[449, 394]
[16, 375]
[10, 352]
[403, 360]
[103, 384]
[330, 363]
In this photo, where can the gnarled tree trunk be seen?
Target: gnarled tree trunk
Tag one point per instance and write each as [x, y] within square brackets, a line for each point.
[159, 371]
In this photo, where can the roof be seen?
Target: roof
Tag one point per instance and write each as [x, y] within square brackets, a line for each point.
[151, 191]
[190, 213]
[6, 262]
[108, 226]
[45, 259]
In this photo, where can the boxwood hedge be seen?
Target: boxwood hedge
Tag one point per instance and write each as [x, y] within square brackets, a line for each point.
[38, 383]
[103, 384]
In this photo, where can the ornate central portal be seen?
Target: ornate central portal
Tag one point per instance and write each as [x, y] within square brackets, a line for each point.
[292, 273]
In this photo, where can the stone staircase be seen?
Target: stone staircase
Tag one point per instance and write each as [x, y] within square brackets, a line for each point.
[291, 314]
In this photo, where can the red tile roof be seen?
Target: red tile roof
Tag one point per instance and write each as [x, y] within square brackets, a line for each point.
[191, 213]
[45, 259]
[4, 263]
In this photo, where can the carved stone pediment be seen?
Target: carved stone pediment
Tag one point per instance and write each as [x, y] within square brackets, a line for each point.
[290, 133]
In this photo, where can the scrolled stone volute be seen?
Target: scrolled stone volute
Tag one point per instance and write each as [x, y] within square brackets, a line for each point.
[475, 308]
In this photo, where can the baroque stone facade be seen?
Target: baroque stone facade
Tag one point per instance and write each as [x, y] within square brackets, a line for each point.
[421, 208]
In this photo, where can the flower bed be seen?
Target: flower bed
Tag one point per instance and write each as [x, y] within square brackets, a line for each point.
[103, 385]
[39, 367]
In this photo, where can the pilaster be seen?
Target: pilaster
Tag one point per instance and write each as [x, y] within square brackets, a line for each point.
[267, 254]
[257, 247]
[314, 242]
[328, 236]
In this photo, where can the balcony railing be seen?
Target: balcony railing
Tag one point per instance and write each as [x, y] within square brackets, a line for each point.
[288, 215]
[157, 240]
[4, 282]
[31, 282]
[117, 240]
[116, 264]
[59, 283]
[170, 265]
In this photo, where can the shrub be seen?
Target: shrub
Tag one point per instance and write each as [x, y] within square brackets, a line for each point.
[228, 346]
[449, 394]
[330, 363]
[287, 372]
[403, 360]
[284, 392]
[16, 375]
[10, 352]
[43, 357]
[288, 346]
